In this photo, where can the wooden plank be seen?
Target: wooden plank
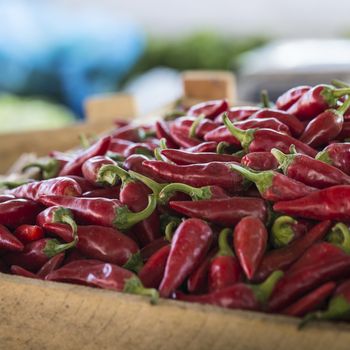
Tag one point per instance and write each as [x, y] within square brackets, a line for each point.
[46, 315]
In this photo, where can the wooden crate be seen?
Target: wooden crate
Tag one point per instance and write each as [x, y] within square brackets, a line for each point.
[48, 315]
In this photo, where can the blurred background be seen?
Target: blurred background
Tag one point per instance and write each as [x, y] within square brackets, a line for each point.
[55, 54]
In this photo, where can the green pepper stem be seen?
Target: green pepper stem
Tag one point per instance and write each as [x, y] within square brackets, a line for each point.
[340, 84]
[283, 159]
[264, 290]
[54, 247]
[134, 286]
[196, 194]
[323, 156]
[125, 219]
[157, 154]
[224, 247]
[282, 232]
[173, 115]
[47, 170]
[162, 144]
[134, 263]
[84, 141]
[245, 137]
[221, 147]
[264, 97]
[340, 236]
[344, 107]
[170, 229]
[153, 185]
[13, 184]
[341, 92]
[194, 126]
[65, 216]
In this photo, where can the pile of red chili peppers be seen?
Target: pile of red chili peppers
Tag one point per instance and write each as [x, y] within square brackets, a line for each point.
[242, 207]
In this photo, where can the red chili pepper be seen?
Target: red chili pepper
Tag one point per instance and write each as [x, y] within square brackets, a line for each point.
[224, 268]
[108, 192]
[182, 139]
[310, 301]
[338, 307]
[221, 134]
[236, 114]
[119, 146]
[91, 168]
[16, 212]
[328, 204]
[73, 167]
[297, 283]
[310, 171]
[316, 100]
[226, 212]
[263, 122]
[53, 264]
[198, 175]
[37, 253]
[6, 197]
[260, 161]
[337, 155]
[101, 211]
[84, 184]
[181, 157]
[210, 109]
[345, 131]
[163, 131]
[20, 271]
[203, 147]
[250, 240]
[295, 126]
[284, 257]
[189, 246]
[140, 148]
[54, 215]
[29, 233]
[263, 140]
[274, 186]
[239, 296]
[57, 186]
[151, 248]
[100, 243]
[287, 99]
[204, 127]
[134, 133]
[152, 272]
[325, 127]
[102, 275]
[8, 242]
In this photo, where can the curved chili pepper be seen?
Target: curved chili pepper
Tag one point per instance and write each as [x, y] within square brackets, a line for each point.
[48, 169]
[260, 161]
[340, 236]
[102, 275]
[210, 109]
[53, 264]
[102, 211]
[337, 155]
[295, 284]
[16, 212]
[9, 242]
[163, 131]
[263, 140]
[57, 186]
[236, 114]
[202, 147]
[108, 192]
[310, 171]
[84, 184]
[295, 126]
[100, 243]
[284, 257]
[198, 175]
[250, 240]
[226, 212]
[338, 307]
[288, 98]
[286, 229]
[204, 126]
[29, 233]
[36, 254]
[325, 127]
[274, 186]
[152, 272]
[91, 167]
[310, 301]
[152, 247]
[316, 100]
[56, 214]
[328, 204]
[20, 271]
[189, 245]
[239, 296]
[224, 268]
[6, 197]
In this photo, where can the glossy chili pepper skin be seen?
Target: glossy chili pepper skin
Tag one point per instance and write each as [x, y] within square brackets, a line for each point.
[266, 123]
[310, 301]
[295, 126]
[281, 259]
[84, 184]
[310, 171]
[91, 167]
[198, 175]
[119, 146]
[63, 186]
[151, 248]
[16, 212]
[274, 186]
[209, 146]
[181, 157]
[221, 134]
[9, 242]
[20, 271]
[260, 161]
[189, 245]
[132, 132]
[250, 241]
[287, 99]
[98, 242]
[73, 167]
[29, 233]
[108, 192]
[210, 109]
[337, 155]
[226, 211]
[205, 126]
[6, 197]
[345, 131]
[182, 137]
[53, 264]
[163, 131]
[237, 114]
[328, 204]
[295, 284]
[152, 272]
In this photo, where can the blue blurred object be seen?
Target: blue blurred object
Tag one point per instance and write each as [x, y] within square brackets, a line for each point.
[47, 50]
